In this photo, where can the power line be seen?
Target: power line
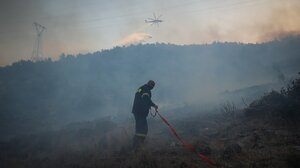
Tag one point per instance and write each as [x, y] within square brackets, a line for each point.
[37, 53]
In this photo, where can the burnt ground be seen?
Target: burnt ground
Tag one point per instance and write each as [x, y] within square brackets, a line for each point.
[264, 134]
[236, 141]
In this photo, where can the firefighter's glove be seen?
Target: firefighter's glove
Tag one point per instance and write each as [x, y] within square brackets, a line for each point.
[156, 108]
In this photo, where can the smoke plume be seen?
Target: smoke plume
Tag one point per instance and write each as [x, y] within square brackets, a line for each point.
[134, 38]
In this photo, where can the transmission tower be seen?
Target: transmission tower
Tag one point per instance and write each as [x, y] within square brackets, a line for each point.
[37, 53]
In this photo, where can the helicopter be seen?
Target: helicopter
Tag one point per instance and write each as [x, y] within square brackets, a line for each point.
[155, 20]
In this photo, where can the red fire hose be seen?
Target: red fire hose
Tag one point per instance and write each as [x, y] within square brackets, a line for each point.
[185, 144]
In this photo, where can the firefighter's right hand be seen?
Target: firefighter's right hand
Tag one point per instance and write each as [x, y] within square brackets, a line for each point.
[156, 108]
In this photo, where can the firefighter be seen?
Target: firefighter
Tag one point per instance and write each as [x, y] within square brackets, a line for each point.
[141, 106]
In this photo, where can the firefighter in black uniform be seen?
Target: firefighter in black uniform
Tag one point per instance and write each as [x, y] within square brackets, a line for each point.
[141, 106]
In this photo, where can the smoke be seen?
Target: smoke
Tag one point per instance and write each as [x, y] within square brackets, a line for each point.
[279, 73]
[134, 38]
[277, 21]
[281, 21]
[270, 21]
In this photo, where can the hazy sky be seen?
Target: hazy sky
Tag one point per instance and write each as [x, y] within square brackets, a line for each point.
[81, 26]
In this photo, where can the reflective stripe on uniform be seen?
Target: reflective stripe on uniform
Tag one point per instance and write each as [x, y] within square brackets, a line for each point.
[145, 94]
[141, 135]
[139, 90]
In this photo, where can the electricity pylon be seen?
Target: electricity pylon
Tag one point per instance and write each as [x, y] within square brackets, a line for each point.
[37, 53]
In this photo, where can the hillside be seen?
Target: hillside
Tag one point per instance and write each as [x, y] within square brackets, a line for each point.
[264, 134]
[46, 95]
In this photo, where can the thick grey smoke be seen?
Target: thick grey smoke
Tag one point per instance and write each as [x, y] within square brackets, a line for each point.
[72, 89]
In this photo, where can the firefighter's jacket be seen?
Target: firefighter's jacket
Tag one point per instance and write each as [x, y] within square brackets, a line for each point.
[142, 101]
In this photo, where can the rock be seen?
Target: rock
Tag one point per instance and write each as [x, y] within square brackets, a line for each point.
[173, 144]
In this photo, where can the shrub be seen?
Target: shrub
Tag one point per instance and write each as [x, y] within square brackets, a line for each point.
[228, 110]
[284, 104]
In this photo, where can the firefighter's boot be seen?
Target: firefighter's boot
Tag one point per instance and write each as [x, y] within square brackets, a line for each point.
[138, 142]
